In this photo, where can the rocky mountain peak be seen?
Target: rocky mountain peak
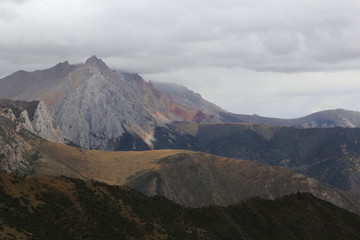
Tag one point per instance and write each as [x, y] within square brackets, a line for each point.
[93, 61]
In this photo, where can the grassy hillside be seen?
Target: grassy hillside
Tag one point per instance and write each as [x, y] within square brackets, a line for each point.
[41, 207]
[188, 178]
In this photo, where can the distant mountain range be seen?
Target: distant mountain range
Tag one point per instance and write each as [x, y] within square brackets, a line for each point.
[65, 208]
[99, 108]
[331, 155]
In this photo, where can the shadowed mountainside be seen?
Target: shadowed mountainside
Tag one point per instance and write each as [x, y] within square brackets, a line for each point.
[66, 208]
[331, 155]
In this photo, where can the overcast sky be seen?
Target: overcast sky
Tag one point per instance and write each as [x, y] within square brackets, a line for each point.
[283, 58]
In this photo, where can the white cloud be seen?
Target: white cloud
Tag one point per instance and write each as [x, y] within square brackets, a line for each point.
[167, 37]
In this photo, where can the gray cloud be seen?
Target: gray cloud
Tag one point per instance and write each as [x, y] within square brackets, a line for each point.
[6, 15]
[162, 38]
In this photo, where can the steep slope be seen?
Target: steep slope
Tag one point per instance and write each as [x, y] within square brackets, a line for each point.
[331, 155]
[190, 99]
[100, 108]
[18, 147]
[34, 116]
[32, 85]
[65, 208]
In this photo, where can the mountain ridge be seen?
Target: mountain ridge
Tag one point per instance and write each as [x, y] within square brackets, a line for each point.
[100, 108]
[79, 97]
[66, 208]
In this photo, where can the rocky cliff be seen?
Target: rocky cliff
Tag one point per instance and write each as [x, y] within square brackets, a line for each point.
[100, 108]
[33, 116]
[18, 146]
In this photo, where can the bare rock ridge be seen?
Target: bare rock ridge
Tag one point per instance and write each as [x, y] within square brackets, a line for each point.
[33, 116]
[93, 61]
[17, 145]
[100, 108]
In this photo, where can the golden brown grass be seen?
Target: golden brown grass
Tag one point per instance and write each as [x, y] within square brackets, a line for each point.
[109, 167]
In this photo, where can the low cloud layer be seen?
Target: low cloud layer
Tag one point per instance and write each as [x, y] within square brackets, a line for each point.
[272, 39]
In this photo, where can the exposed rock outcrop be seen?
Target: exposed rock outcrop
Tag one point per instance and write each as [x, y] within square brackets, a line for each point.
[33, 116]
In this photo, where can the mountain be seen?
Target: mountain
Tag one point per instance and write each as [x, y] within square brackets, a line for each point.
[44, 207]
[97, 107]
[323, 119]
[331, 155]
[188, 178]
[192, 100]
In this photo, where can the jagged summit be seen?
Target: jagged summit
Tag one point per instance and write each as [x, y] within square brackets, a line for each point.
[94, 61]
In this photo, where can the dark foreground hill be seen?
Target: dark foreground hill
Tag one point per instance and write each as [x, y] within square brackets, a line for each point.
[65, 208]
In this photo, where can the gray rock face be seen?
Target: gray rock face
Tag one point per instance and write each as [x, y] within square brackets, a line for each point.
[44, 125]
[107, 104]
[16, 150]
[33, 116]
[99, 108]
